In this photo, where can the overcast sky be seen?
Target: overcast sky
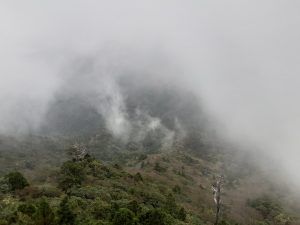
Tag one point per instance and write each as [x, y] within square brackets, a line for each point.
[240, 57]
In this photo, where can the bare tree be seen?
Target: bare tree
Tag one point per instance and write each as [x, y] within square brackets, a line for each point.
[216, 187]
[77, 151]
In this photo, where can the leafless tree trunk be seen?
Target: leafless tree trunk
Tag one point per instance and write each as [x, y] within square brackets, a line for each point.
[217, 197]
[77, 152]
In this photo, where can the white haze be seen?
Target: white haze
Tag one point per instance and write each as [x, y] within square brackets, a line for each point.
[240, 57]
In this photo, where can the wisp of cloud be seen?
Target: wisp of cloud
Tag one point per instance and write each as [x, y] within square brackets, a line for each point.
[241, 58]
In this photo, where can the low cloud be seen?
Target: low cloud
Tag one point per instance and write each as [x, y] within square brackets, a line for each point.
[241, 58]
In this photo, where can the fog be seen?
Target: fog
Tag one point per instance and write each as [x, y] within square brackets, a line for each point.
[241, 58]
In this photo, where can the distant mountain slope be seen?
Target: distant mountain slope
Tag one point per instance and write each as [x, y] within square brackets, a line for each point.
[137, 111]
[162, 144]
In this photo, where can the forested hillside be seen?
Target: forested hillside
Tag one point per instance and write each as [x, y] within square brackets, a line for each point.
[76, 171]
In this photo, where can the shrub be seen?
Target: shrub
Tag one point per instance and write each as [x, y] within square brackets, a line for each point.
[95, 167]
[65, 214]
[171, 206]
[71, 174]
[27, 209]
[134, 207]
[4, 187]
[101, 210]
[266, 206]
[124, 217]
[181, 214]
[28, 192]
[50, 191]
[44, 214]
[16, 181]
[142, 157]
[153, 199]
[90, 193]
[154, 216]
[176, 189]
[138, 177]
[159, 168]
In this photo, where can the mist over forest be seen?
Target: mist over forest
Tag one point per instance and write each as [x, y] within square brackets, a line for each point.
[140, 108]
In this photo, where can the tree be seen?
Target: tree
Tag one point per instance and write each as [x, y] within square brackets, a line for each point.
[72, 174]
[65, 214]
[217, 197]
[159, 168]
[171, 206]
[176, 189]
[124, 217]
[27, 209]
[16, 181]
[181, 214]
[154, 216]
[77, 152]
[134, 207]
[44, 214]
[138, 177]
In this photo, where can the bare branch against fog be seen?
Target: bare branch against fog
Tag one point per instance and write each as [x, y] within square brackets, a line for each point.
[217, 188]
[77, 151]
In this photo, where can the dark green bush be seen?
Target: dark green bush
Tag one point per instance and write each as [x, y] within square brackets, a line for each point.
[16, 181]
[101, 210]
[266, 206]
[159, 168]
[155, 216]
[71, 174]
[138, 177]
[124, 217]
[27, 209]
[171, 206]
[44, 214]
[134, 207]
[50, 192]
[181, 214]
[65, 214]
[176, 189]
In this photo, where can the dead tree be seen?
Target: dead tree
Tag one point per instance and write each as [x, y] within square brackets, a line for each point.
[77, 152]
[216, 187]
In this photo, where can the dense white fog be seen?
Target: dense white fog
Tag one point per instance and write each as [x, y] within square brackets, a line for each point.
[241, 58]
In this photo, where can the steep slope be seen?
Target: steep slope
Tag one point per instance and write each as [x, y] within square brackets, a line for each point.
[161, 166]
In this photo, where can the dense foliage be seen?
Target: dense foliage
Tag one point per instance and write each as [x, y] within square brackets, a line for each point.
[91, 193]
[16, 181]
[160, 173]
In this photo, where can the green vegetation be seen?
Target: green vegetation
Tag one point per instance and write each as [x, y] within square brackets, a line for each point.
[44, 214]
[163, 191]
[124, 217]
[155, 216]
[65, 214]
[129, 185]
[89, 191]
[95, 193]
[162, 174]
[71, 174]
[16, 181]
[271, 211]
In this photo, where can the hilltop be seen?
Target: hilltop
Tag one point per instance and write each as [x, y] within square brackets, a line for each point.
[160, 171]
